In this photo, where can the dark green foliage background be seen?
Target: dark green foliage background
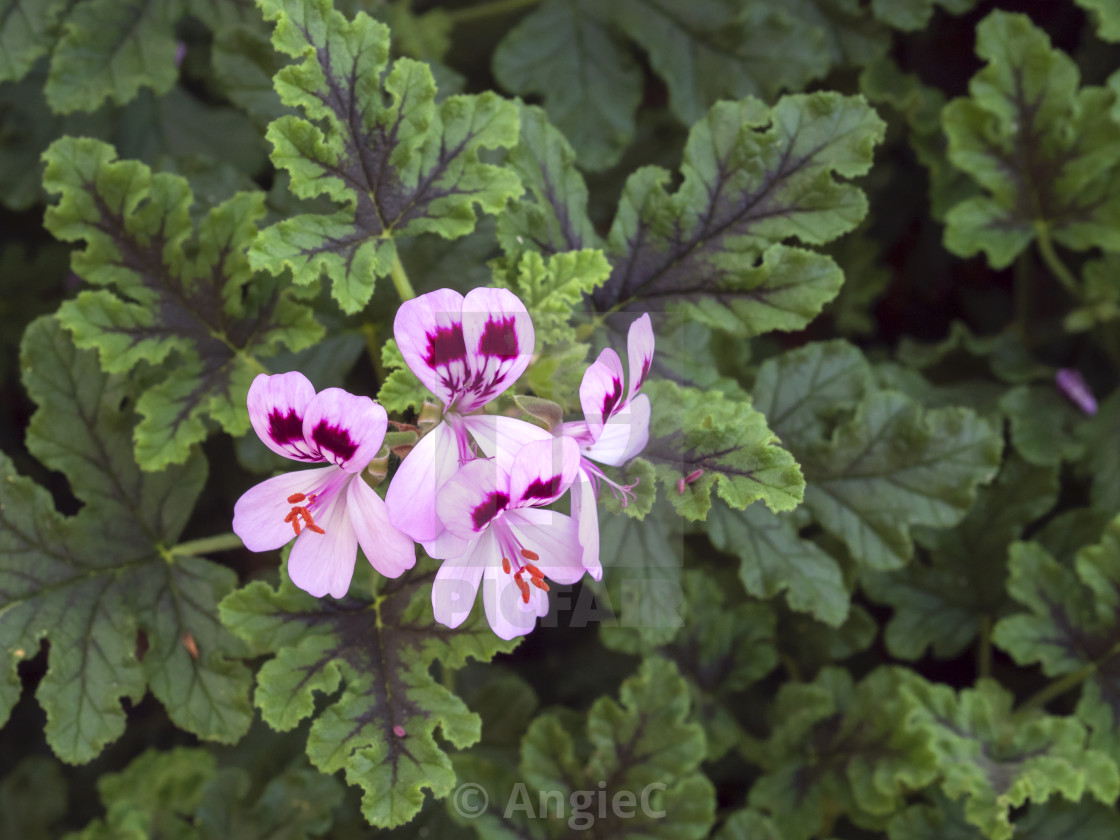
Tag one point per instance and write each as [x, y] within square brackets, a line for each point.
[869, 232]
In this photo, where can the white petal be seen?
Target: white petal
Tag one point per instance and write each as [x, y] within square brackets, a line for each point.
[258, 516]
[499, 337]
[323, 564]
[554, 537]
[501, 438]
[639, 352]
[600, 392]
[344, 429]
[276, 407]
[543, 471]
[387, 549]
[472, 498]
[506, 610]
[586, 514]
[456, 583]
[625, 436]
[429, 333]
[411, 496]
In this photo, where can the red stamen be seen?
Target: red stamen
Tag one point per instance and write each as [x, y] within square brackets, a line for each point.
[530, 555]
[540, 584]
[296, 497]
[291, 515]
[534, 571]
[313, 527]
[295, 525]
[523, 586]
[505, 565]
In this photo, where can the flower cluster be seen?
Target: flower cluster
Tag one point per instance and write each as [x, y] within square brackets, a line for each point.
[475, 491]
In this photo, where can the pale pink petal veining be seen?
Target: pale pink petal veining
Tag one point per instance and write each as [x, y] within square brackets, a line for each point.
[472, 498]
[501, 438]
[553, 537]
[586, 515]
[601, 391]
[429, 333]
[639, 353]
[387, 549]
[276, 408]
[543, 471]
[624, 436]
[507, 611]
[323, 564]
[344, 429]
[456, 583]
[258, 516]
[411, 496]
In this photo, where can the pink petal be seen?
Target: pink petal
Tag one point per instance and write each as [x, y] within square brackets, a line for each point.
[625, 436]
[600, 392]
[554, 537]
[276, 407]
[323, 564]
[456, 583]
[258, 516]
[411, 496]
[501, 438]
[506, 610]
[499, 337]
[387, 549]
[344, 429]
[429, 333]
[586, 514]
[472, 498]
[543, 471]
[639, 352]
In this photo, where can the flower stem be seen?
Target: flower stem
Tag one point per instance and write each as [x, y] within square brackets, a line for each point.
[489, 9]
[1068, 682]
[208, 545]
[400, 279]
[1053, 261]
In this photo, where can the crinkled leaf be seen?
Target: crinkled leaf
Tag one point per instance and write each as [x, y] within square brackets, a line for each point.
[381, 649]
[180, 297]
[1073, 622]
[643, 745]
[942, 602]
[753, 177]
[375, 142]
[591, 86]
[998, 760]
[1053, 819]
[1045, 152]
[91, 583]
[836, 746]
[401, 391]
[728, 440]
[27, 31]
[552, 289]
[708, 50]
[774, 558]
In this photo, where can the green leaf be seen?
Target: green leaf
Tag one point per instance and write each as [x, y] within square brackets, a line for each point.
[27, 31]
[1044, 151]
[244, 64]
[553, 289]
[718, 49]
[642, 748]
[1102, 455]
[843, 746]
[851, 36]
[590, 85]
[1106, 17]
[1043, 423]
[374, 141]
[753, 177]
[998, 760]
[90, 583]
[890, 466]
[382, 649]
[942, 602]
[945, 820]
[401, 391]
[912, 15]
[748, 825]
[728, 441]
[33, 798]
[774, 558]
[182, 298]
[1072, 625]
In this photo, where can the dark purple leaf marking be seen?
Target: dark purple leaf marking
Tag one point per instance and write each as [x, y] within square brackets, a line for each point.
[335, 439]
[486, 511]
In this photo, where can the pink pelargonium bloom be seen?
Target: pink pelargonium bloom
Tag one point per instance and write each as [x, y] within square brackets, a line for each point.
[614, 430]
[466, 351]
[331, 510]
[511, 545]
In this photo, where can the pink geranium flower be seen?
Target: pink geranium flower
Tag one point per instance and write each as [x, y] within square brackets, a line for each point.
[328, 511]
[511, 545]
[614, 430]
[466, 351]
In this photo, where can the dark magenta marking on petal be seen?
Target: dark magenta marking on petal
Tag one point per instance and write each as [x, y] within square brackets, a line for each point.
[486, 511]
[335, 439]
[446, 345]
[644, 374]
[542, 489]
[610, 400]
[285, 428]
[499, 339]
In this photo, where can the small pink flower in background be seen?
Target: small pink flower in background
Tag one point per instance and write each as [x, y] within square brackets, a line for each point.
[466, 351]
[614, 430]
[1071, 383]
[328, 511]
[511, 545]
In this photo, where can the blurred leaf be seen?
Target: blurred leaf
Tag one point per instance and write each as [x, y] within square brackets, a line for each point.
[27, 31]
[1106, 17]
[1055, 818]
[33, 798]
